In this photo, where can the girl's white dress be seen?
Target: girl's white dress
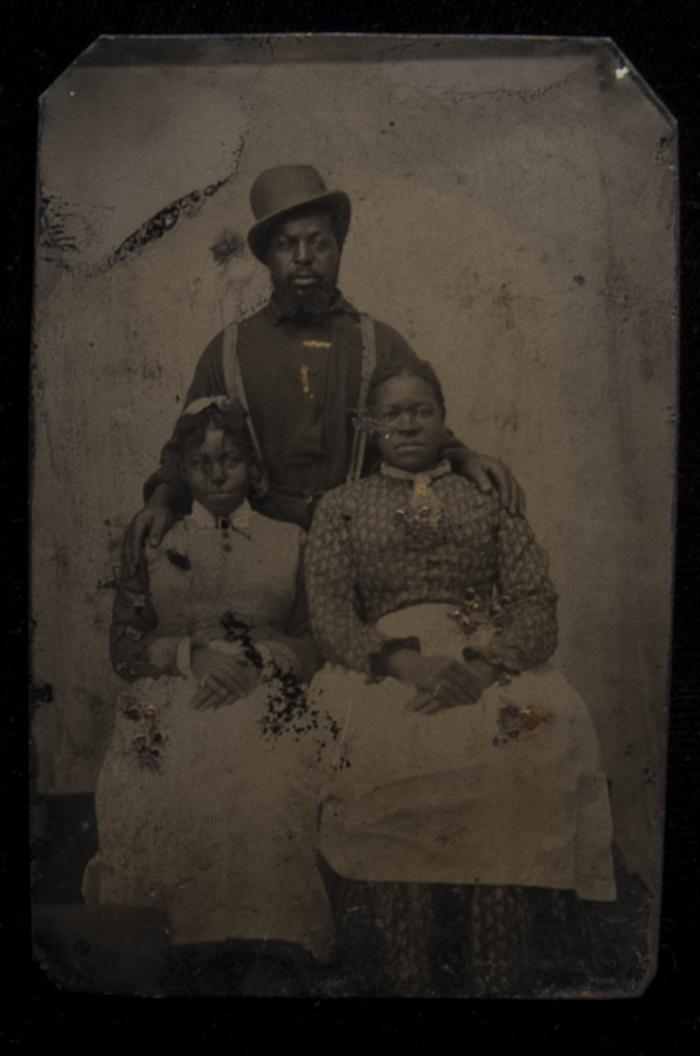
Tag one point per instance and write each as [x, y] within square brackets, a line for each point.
[211, 814]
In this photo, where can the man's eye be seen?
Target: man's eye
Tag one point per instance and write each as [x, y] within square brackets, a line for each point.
[283, 244]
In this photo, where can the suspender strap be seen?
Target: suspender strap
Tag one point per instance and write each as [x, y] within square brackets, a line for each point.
[233, 380]
[236, 391]
[369, 361]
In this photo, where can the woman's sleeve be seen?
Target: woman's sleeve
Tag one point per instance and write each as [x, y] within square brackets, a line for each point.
[342, 636]
[524, 624]
[135, 647]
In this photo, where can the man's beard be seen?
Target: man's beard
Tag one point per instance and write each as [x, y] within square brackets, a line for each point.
[309, 305]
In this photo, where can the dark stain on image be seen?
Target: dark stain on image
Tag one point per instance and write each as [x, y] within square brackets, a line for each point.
[227, 246]
[180, 561]
[288, 710]
[165, 220]
[52, 218]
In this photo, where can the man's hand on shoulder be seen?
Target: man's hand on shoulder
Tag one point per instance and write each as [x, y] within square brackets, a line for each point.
[491, 475]
[150, 524]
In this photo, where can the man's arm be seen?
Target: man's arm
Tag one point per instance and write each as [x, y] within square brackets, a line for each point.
[487, 473]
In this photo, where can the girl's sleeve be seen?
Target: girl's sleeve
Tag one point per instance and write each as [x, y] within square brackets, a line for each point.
[340, 633]
[524, 629]
[135, 647]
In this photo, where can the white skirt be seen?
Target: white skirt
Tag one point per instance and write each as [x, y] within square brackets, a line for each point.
[508, 791]
[212, 816]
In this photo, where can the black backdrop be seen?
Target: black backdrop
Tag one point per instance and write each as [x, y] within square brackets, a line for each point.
[38, 40]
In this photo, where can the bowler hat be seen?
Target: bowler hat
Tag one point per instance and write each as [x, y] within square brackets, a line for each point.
[284, 189]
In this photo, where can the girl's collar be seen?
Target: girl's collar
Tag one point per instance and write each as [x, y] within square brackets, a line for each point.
[239, 520]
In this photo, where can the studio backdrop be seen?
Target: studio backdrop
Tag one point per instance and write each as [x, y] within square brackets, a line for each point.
[514, 216]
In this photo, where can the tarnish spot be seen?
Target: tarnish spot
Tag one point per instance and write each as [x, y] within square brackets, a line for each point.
[288, 712]
[228, 246]
[53, 216]
[646, 368]
[664, 149]
[512, 721]
[41, 693]
[109, 583]
[305, 374]
[148, 742]
[531, 719]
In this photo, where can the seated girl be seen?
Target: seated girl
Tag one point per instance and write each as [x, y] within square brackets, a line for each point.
[464, 758]
[204, 802]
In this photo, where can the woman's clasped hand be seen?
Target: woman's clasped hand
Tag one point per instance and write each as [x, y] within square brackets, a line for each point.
[442, 682]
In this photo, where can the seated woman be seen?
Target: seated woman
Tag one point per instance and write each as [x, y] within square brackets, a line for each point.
[205, 804]
[464, 759]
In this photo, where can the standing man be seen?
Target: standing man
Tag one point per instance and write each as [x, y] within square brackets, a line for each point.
[300, 366]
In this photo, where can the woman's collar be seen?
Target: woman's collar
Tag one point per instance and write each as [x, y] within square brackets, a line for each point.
[440, 470]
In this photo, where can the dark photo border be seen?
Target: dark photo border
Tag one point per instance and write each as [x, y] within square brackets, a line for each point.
[39, 41]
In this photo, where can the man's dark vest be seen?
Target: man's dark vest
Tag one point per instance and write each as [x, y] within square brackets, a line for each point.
[236, 390]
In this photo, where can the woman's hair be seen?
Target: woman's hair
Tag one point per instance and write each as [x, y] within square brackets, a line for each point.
[228, 416]
[420, 369]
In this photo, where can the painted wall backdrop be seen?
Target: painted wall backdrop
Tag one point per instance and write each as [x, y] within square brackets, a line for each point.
[514, 217]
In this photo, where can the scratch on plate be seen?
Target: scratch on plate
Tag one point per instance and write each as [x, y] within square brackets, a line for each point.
[166, 219]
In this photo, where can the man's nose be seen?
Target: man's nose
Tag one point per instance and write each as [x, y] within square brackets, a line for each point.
[302, 251]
